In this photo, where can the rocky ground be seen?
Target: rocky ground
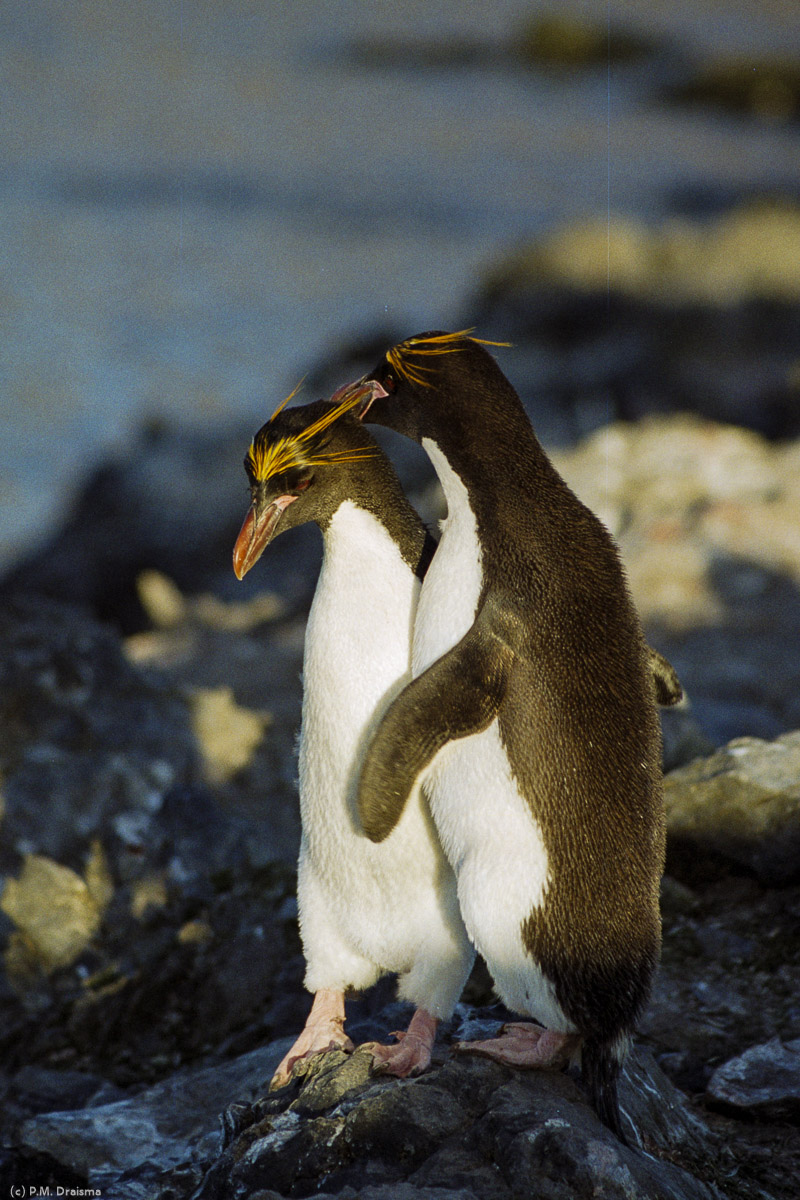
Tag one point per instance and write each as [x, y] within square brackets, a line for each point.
[153, 975]
[148, 707]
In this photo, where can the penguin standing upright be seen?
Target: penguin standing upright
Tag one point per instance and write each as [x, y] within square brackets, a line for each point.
[364, 909]
[532, 719]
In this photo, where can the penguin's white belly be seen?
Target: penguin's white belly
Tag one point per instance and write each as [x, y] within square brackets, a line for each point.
[497, 851]
[487, 830]
[377, 903]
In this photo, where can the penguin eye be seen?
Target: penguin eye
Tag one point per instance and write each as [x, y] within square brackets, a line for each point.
[301, 485]
[389, 384]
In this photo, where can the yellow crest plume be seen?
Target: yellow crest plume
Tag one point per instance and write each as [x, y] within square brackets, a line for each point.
[266, 457]
[399, 357]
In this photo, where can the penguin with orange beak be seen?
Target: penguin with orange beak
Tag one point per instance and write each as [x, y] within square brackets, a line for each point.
[365, 909]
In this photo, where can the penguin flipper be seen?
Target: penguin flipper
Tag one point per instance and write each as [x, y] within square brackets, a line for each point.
[457, 695]
[665, 677]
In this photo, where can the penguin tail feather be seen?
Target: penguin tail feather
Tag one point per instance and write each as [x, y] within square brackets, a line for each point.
[601, 1062]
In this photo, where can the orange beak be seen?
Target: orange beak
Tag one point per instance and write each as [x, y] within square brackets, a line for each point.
[258, 529]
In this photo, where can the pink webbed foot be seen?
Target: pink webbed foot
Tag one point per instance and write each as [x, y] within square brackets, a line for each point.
[526, 1046]
[324, 1030]
[412, 1054]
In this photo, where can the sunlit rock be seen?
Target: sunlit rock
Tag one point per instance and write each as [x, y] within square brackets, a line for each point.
[54, 909]
[741, 804]
[228, 734]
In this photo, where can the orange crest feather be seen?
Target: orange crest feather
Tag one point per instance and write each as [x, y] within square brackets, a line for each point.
[265, 459]
[400, 356]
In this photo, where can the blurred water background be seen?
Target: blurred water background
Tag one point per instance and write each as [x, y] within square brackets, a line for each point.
[198, 201]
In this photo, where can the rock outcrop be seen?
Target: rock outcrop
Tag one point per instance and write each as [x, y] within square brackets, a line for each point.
[152, 968]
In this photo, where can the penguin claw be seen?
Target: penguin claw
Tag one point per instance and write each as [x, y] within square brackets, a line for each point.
[526, 1047]
[403, 1060]
[412, 1054]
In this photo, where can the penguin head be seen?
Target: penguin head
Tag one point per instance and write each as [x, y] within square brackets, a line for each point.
[297, 467]
[429, 380]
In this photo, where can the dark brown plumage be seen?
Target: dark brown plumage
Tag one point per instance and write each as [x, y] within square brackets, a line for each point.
[556, 656]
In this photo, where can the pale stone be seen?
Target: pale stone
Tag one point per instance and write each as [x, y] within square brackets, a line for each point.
[228, 734]
[161, 599]
[764, 1079]
[54, 910]
[146, 893]
[751, 251]
[742, 803]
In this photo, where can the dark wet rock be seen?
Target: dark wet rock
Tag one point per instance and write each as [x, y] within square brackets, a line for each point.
[617, 320]
[727, 974]
[40, 1089]
[393, 1191]
[31, 1174]
[742, 804]
[87, 741]
[730, 970]
[682, 736]
[239, 665]
[767, 89]
[145, 920]
[469, 1127]
[175, 505]
[124, 742]
[118, 856]
[405, 1125]
[764, 1081]
[164, 988]
[168, 1128]
[567, 40]
[33, 1090]
[550, 42]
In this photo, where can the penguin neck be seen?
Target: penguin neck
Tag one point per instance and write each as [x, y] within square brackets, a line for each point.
[495, 475]
[365, 587]
[453, 585]
[455, 490]
[383, 499]
[355, 534]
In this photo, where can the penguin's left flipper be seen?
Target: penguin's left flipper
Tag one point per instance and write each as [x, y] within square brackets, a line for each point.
[457, 695]
[665, 678]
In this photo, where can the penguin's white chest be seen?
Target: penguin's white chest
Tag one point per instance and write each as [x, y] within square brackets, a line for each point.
[358, 633]
[365, 907]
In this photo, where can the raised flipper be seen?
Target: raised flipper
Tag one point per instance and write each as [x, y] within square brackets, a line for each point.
[459, 694]
[665, 677]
